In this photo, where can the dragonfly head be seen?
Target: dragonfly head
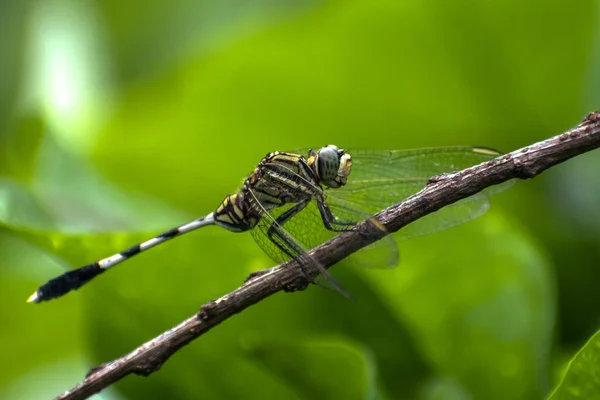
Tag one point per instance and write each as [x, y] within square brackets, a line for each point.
[331, 165]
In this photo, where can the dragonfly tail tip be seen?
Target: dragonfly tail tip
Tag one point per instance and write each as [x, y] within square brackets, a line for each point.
[34, 298]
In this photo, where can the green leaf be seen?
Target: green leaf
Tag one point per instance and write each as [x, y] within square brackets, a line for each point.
[39, 337]
[20, 208]
[152, 38]
[200, 93]
[13, 24]
[582, 378]
[332, 369]
[19, 147]
[479, 301]
[64, 194]
[156, 290]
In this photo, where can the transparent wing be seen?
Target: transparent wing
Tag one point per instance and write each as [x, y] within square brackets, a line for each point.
[382, 178]
[308, 228]
[378, 180]
[381, 254]
[281, 245]
[261, 237]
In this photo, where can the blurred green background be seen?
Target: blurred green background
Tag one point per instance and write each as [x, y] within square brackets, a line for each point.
[120, 120]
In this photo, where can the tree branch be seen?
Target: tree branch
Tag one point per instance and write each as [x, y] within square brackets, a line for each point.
[440, 191]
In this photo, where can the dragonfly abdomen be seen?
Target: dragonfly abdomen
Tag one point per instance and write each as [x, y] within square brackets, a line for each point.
[232, 214]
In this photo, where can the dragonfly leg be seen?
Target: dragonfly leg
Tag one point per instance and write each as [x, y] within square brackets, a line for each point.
[279, 236]
[289, 247]
[329, 220]
[276, 236]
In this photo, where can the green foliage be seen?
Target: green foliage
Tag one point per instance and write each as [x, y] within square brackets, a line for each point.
[582, 378]
[119, 122]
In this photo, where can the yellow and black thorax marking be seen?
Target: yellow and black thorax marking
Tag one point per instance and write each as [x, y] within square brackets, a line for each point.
[280, 178]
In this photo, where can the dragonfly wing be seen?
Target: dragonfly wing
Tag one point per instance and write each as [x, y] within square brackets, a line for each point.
[381, 254]
[260, 236]
[382, 178]
[281, 245]
[458, 213]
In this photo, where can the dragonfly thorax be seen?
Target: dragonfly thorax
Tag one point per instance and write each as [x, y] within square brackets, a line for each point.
[283, 178]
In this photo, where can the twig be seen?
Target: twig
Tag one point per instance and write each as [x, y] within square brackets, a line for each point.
[440, 191]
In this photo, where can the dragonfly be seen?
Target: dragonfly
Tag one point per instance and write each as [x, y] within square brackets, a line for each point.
[294, 201]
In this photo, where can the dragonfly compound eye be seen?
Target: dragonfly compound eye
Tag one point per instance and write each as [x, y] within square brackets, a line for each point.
[328, 163]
